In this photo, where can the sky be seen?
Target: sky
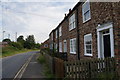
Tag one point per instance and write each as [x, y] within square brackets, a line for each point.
[32, 17]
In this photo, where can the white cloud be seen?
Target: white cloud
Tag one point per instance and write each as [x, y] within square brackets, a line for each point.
[37, 18]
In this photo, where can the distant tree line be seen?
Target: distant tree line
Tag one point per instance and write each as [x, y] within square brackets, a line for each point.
[28, 43]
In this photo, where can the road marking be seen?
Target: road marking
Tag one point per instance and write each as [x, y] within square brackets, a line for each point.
[22, 69]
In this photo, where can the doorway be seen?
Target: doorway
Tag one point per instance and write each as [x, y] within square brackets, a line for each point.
[106, 43]
[105, 40]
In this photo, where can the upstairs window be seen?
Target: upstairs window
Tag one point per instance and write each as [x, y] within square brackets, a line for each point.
[51, 36]
[88, 44]
[72, 22]
[86, 11]
[60, 31]
[73, 46]
[56, 32]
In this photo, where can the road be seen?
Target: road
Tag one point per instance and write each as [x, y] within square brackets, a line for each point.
[12, 64]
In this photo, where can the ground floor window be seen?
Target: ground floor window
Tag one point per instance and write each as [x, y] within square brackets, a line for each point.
[73, 46]
[88, 45]
[60, 46]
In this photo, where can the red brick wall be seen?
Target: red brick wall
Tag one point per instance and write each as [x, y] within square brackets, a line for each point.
[100, 13]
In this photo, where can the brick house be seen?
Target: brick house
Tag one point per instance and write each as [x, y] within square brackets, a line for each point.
[45, 44]
[89, 30]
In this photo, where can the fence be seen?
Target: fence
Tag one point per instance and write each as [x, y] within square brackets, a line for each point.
[93, 68]
[59, 67]
[96, 68]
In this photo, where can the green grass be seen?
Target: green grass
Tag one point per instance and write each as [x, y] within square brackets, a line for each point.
[9, 51]
[41, 59]
[47, 71]
[107, 76]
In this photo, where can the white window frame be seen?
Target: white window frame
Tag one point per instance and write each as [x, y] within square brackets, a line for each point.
[60, 31]
[72, 23]
[99, 41]
[85, 50]
[73, 46]
[56, 33]
[60, 46]
[83, 12]
[51, 36]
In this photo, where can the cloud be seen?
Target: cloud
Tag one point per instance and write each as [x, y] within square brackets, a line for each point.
[37, 18]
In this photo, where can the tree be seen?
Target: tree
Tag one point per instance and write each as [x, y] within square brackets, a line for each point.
[21, 40]
[17, 45]
[30, 42]
[6, 40]
[37, 46]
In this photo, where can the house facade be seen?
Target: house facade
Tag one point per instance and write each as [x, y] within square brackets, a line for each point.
[89, 30]
[45, 44]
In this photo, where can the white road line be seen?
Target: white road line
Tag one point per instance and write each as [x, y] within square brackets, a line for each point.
[22, 69]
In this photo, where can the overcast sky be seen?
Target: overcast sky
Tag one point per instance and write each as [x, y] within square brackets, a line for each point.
[29, 17]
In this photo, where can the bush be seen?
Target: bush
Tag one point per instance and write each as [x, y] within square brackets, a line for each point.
[16, 45]
[41, 59]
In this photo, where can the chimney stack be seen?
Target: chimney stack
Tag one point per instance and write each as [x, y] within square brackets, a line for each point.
[65, 15]
[69, 10]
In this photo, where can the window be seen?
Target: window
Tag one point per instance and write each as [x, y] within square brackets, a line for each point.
[73, 46]
[60, 31]
[46, 45]
[86, 11]
[88, 44]
[51, 36]
[51, 46]
[60, 46]
[56, 33]
[72, 22]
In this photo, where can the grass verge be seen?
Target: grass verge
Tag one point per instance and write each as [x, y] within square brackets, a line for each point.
[9, 51]
[47, 71]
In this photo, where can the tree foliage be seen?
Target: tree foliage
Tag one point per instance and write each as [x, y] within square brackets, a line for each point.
[17, 45]
[6, 40]
[21, 40]
[30, 42]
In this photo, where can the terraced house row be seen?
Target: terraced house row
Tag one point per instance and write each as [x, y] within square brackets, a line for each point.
[89, 30]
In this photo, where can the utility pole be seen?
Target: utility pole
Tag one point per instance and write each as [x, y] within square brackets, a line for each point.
[3, 34]
[16, 36]
[8, 36]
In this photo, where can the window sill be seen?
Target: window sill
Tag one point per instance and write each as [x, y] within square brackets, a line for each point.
[88, 54]
[72, 29]
[72, 52]
[86, 20]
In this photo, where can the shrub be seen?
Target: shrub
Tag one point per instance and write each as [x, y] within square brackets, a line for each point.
[16, 45]
[41, 59]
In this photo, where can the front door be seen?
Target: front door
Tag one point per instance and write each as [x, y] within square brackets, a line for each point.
[106, 44]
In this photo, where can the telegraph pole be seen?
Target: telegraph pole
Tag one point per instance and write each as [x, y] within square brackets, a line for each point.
[8, 36]
[3, 34]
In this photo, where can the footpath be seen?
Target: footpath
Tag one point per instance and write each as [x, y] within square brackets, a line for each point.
[34, 69]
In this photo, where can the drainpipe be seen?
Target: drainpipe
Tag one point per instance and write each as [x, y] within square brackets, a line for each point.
[58, 40]
[77, 40]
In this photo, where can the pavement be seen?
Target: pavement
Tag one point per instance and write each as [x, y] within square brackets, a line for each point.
[34, 69]
[11, 65]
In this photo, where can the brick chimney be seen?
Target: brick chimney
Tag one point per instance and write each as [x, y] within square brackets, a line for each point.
[69, 10]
